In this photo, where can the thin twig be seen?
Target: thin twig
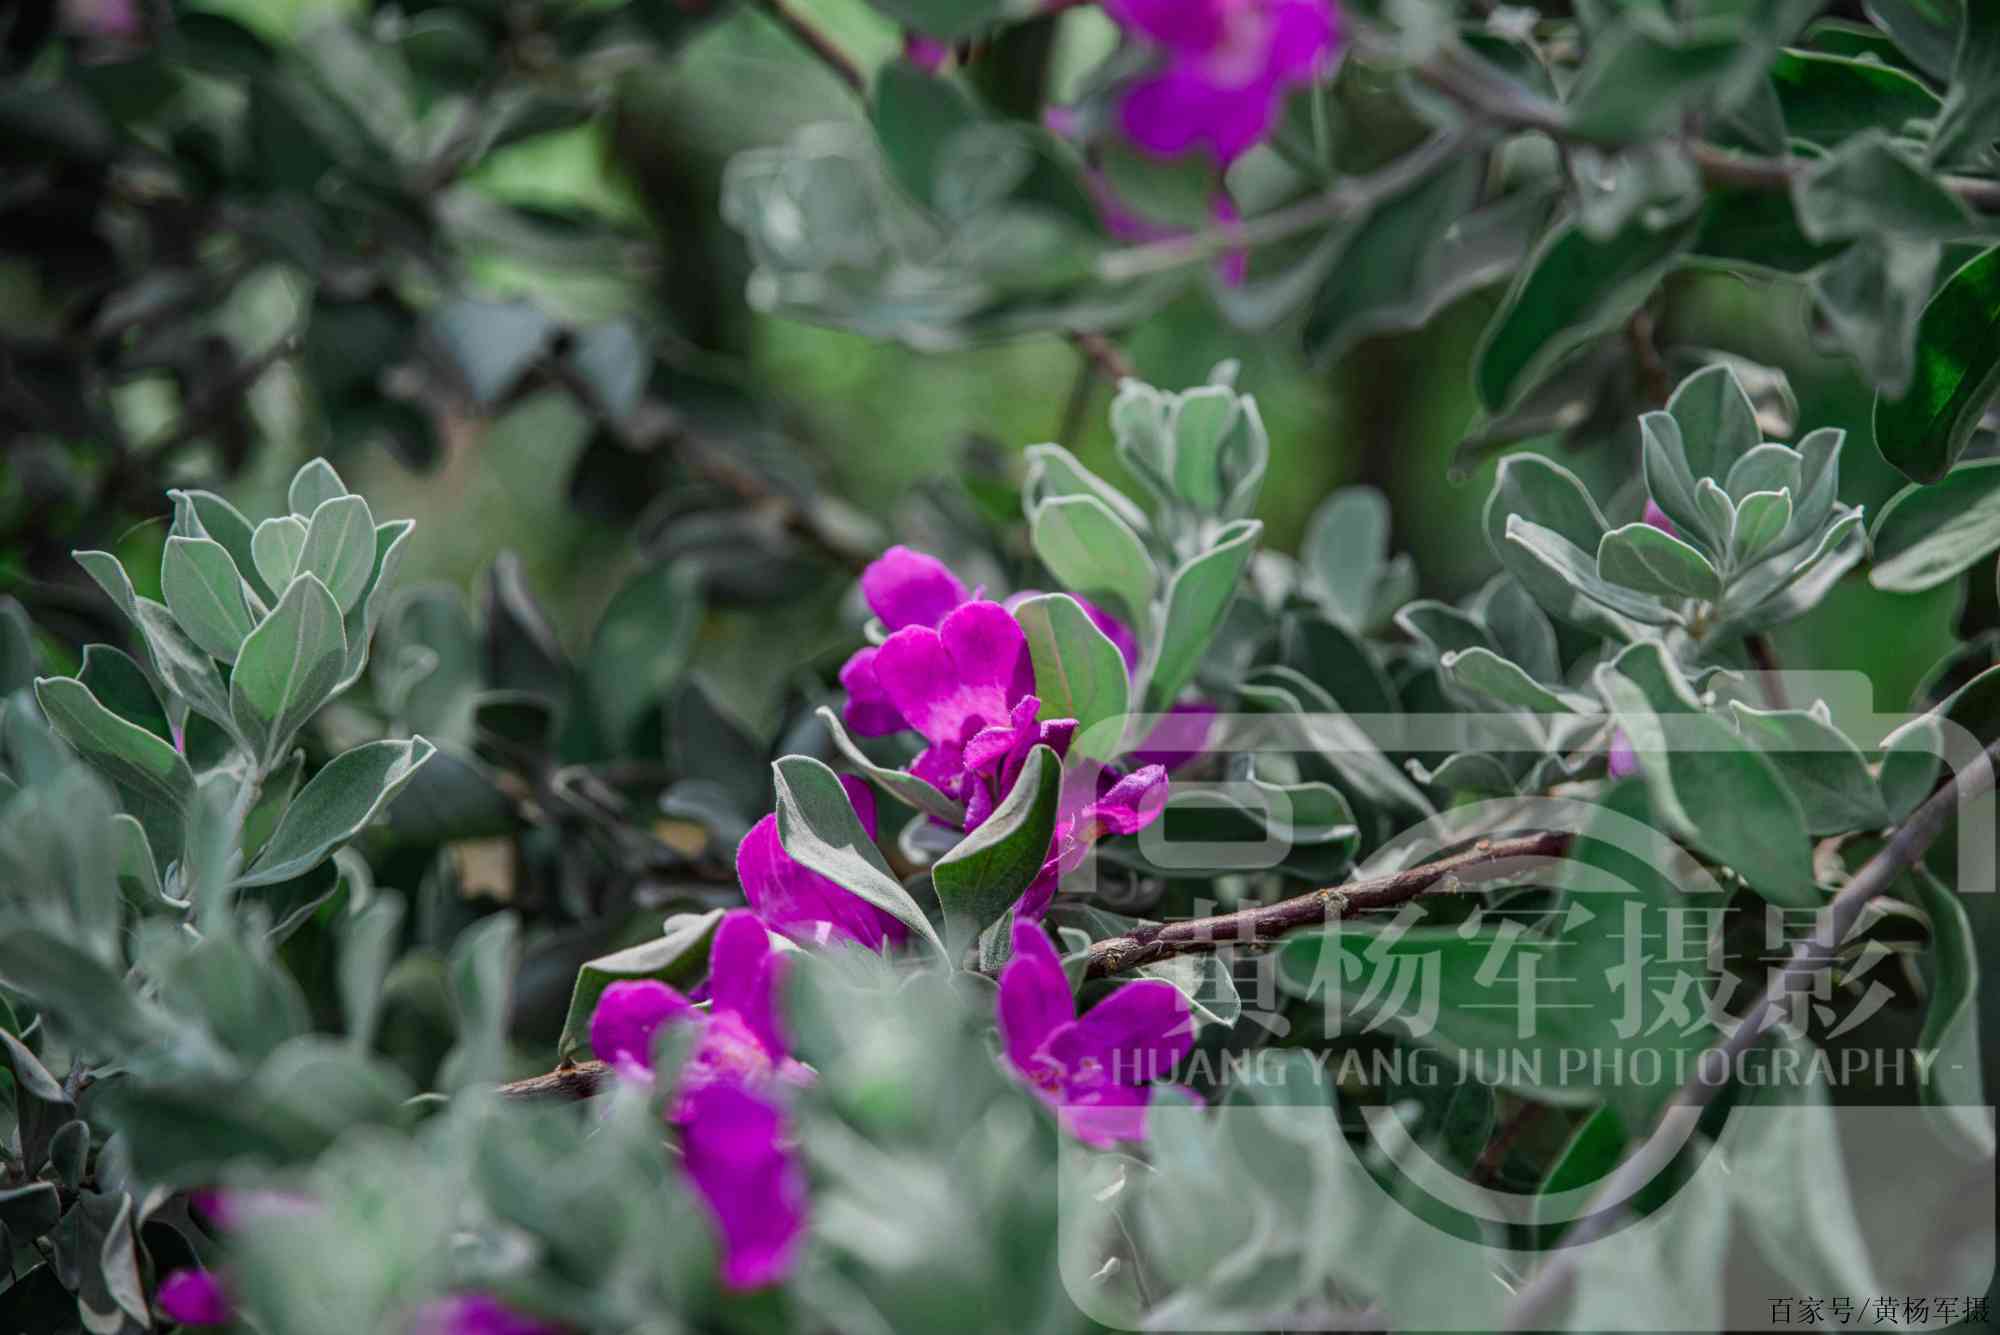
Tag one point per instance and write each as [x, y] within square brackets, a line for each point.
[1812, 954]
[1488, 860]
[1105, 356]
[844, 66]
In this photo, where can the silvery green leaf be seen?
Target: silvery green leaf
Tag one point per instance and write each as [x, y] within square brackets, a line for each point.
[1197, 598]
[368, 946]
[276, 546]
[1563, 559]
[336, 805]
[1670, 483]
[818, 828]
[207, 596]
[1091, 551]
[340, 548]
[1486, 673]
[1464, 772]
[1053, 472]
[1717, 420]
[678, 957]
[288, 668]
[359, 625]
[1912, 763]
[1545, 493]
[1441, 628]
[1713, 791]
[1342, 557]
[1079, 673]
[1823, 768]
[1717, 511]
[1761, 519]
[1519, 628]
[216, 518]
[314, 484]
[979, 879]
[1766, 468]
[122, 751]
[902, 785]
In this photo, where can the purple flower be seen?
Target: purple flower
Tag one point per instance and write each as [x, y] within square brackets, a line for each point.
[1179, 737]
[906, 588]
[475, 1314]
[1227, 66]
[1097, 1071]
[951, 683]
[195, 1298]
[1622, 761]
[734, 1146]
[926, 53]
[1126, 806]
[903, 588]
[732, 1132]
[802, 904]
[1657, 517]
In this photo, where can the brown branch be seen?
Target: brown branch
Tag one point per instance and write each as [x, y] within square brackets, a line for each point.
[571, 1082]
[1106, 356]
[843, 66]
[1810, 955]
[1489, 859]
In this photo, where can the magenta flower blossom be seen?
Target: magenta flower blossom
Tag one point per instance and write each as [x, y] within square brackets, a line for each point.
[1127, 806]
[733, 1141]
[195, 1298]
[1227, 66]
[906, 588]
[475, 1314]
[1657, 517]
[734, 1146]
[802, 904]
[926, 53]
[1097, 1072]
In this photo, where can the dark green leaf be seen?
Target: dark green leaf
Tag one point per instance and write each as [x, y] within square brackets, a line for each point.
[679, 958]
[979, 879]
[1928, 534]
[1957, 372]
[1570, 289]
[335, 806]
[818, 827]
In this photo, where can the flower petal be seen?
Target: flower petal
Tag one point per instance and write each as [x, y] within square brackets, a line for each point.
[910, 588]
[1035, 999]
[1133, 1037]
[628, 1015]
[475, 1314]
[1106, 1114]
[1181, 25]
[868, 712]
[743, 975]
[989, 649]
[195, 1298]
[733, 1148]
[1179, 737]
[1130, 805]
[930, 690]
[805, 906]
